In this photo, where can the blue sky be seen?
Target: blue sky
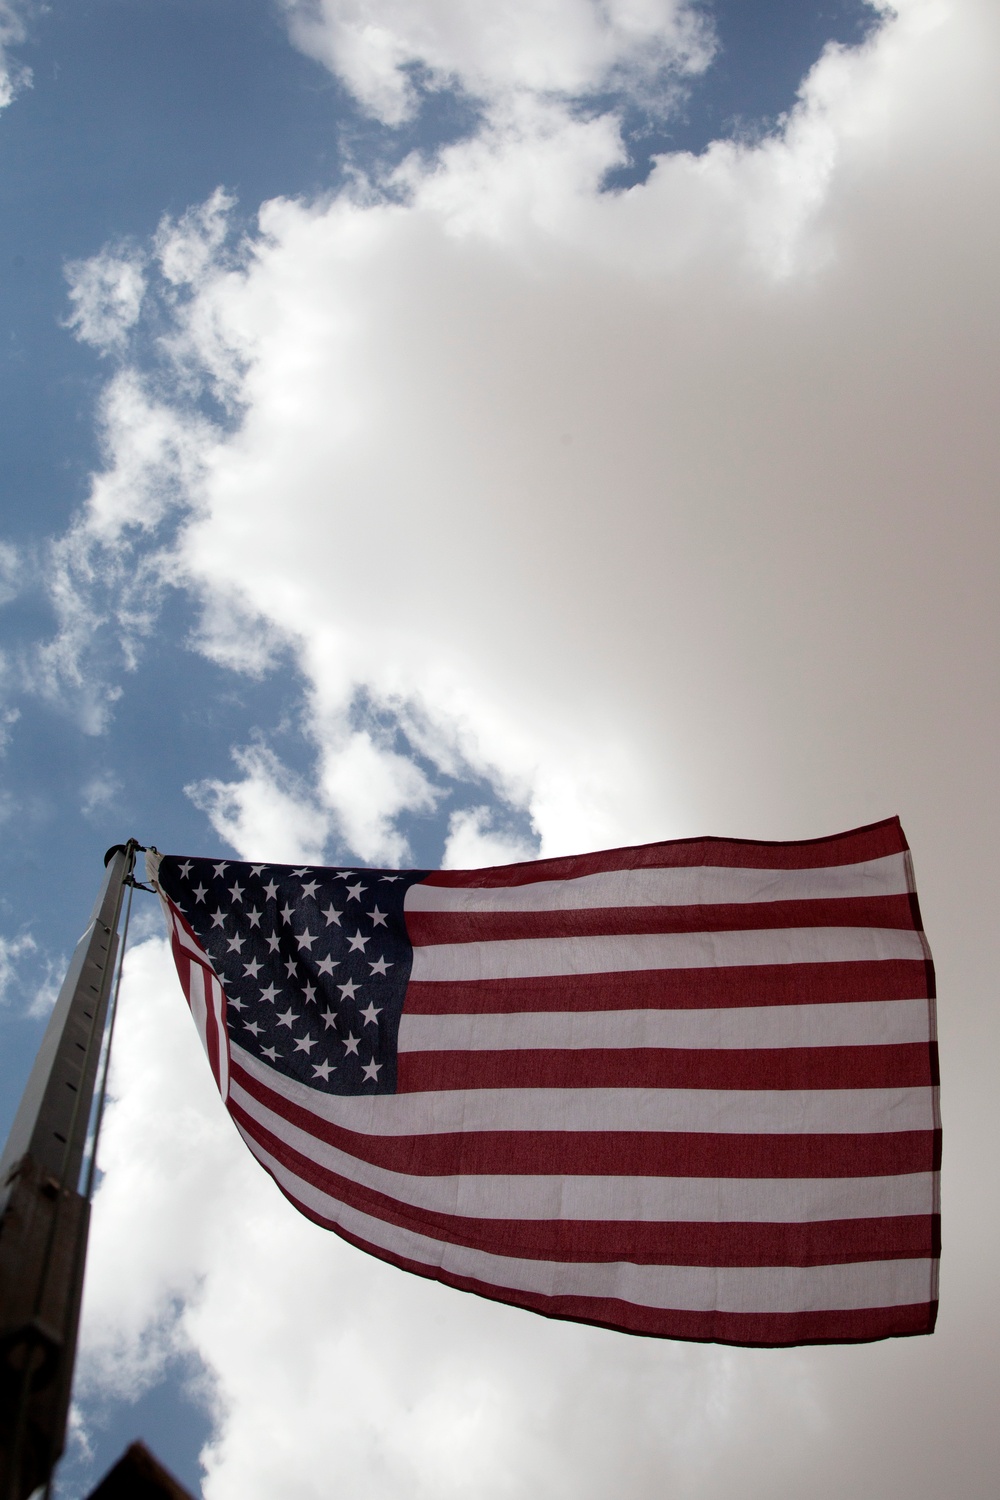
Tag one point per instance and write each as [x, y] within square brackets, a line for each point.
[593, 444]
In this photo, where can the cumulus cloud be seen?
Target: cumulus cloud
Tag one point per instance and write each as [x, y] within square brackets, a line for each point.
[385, 51]
[512, 419]
[656, 513]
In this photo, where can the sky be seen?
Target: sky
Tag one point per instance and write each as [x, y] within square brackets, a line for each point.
[441, 434]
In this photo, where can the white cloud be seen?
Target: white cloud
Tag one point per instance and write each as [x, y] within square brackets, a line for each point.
[568, 48]
[367, 785]
[268, 814]
[160, 1089]
[106, 575]
[47, 988]
[14, 76]
[360, 787]
[26, 973]
[187, 246]
[474, 840]
[100, 792]
[11, 570]
[513, 450]
[106, 292]
[12, 950]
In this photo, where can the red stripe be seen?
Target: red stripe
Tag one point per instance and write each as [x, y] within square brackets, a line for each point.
[676, 989]
[625, 1153]
[754, 1330]
[761, 1330]
[858, 844]
[184, 962]
[901, 1065]
[212, 1038]
[826, 1242]
[426, 927]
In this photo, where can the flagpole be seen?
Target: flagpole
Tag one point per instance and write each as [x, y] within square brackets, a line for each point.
[44, 1218]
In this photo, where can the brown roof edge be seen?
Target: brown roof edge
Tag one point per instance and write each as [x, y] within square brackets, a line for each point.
[139, 1476]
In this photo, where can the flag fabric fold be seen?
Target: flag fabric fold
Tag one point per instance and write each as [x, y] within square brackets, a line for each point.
[686, 1089]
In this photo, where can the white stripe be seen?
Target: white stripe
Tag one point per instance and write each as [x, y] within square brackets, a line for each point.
[854, 1024]
[186, 941]
[737, 1289]
[643, 1200]
[200, 1002]
[535, 957]
[197, 1001]
[695, 885]
[716, 1111]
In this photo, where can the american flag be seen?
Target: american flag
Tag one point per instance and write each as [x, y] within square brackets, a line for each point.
[687, 1089]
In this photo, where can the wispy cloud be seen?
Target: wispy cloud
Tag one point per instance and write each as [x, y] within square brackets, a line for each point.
[99, 793]
[12, 952]
[106, 295]
[14, 75]
[388, 53]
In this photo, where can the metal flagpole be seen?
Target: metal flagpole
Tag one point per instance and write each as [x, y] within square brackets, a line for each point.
[44, 1217]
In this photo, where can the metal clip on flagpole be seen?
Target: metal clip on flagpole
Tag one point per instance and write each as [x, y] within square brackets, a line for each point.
[44, 1217]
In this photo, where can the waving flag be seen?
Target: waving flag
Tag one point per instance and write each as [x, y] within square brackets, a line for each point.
[686, 1089]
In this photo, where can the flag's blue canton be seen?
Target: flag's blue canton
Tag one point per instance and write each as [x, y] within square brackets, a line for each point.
[314, 963]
